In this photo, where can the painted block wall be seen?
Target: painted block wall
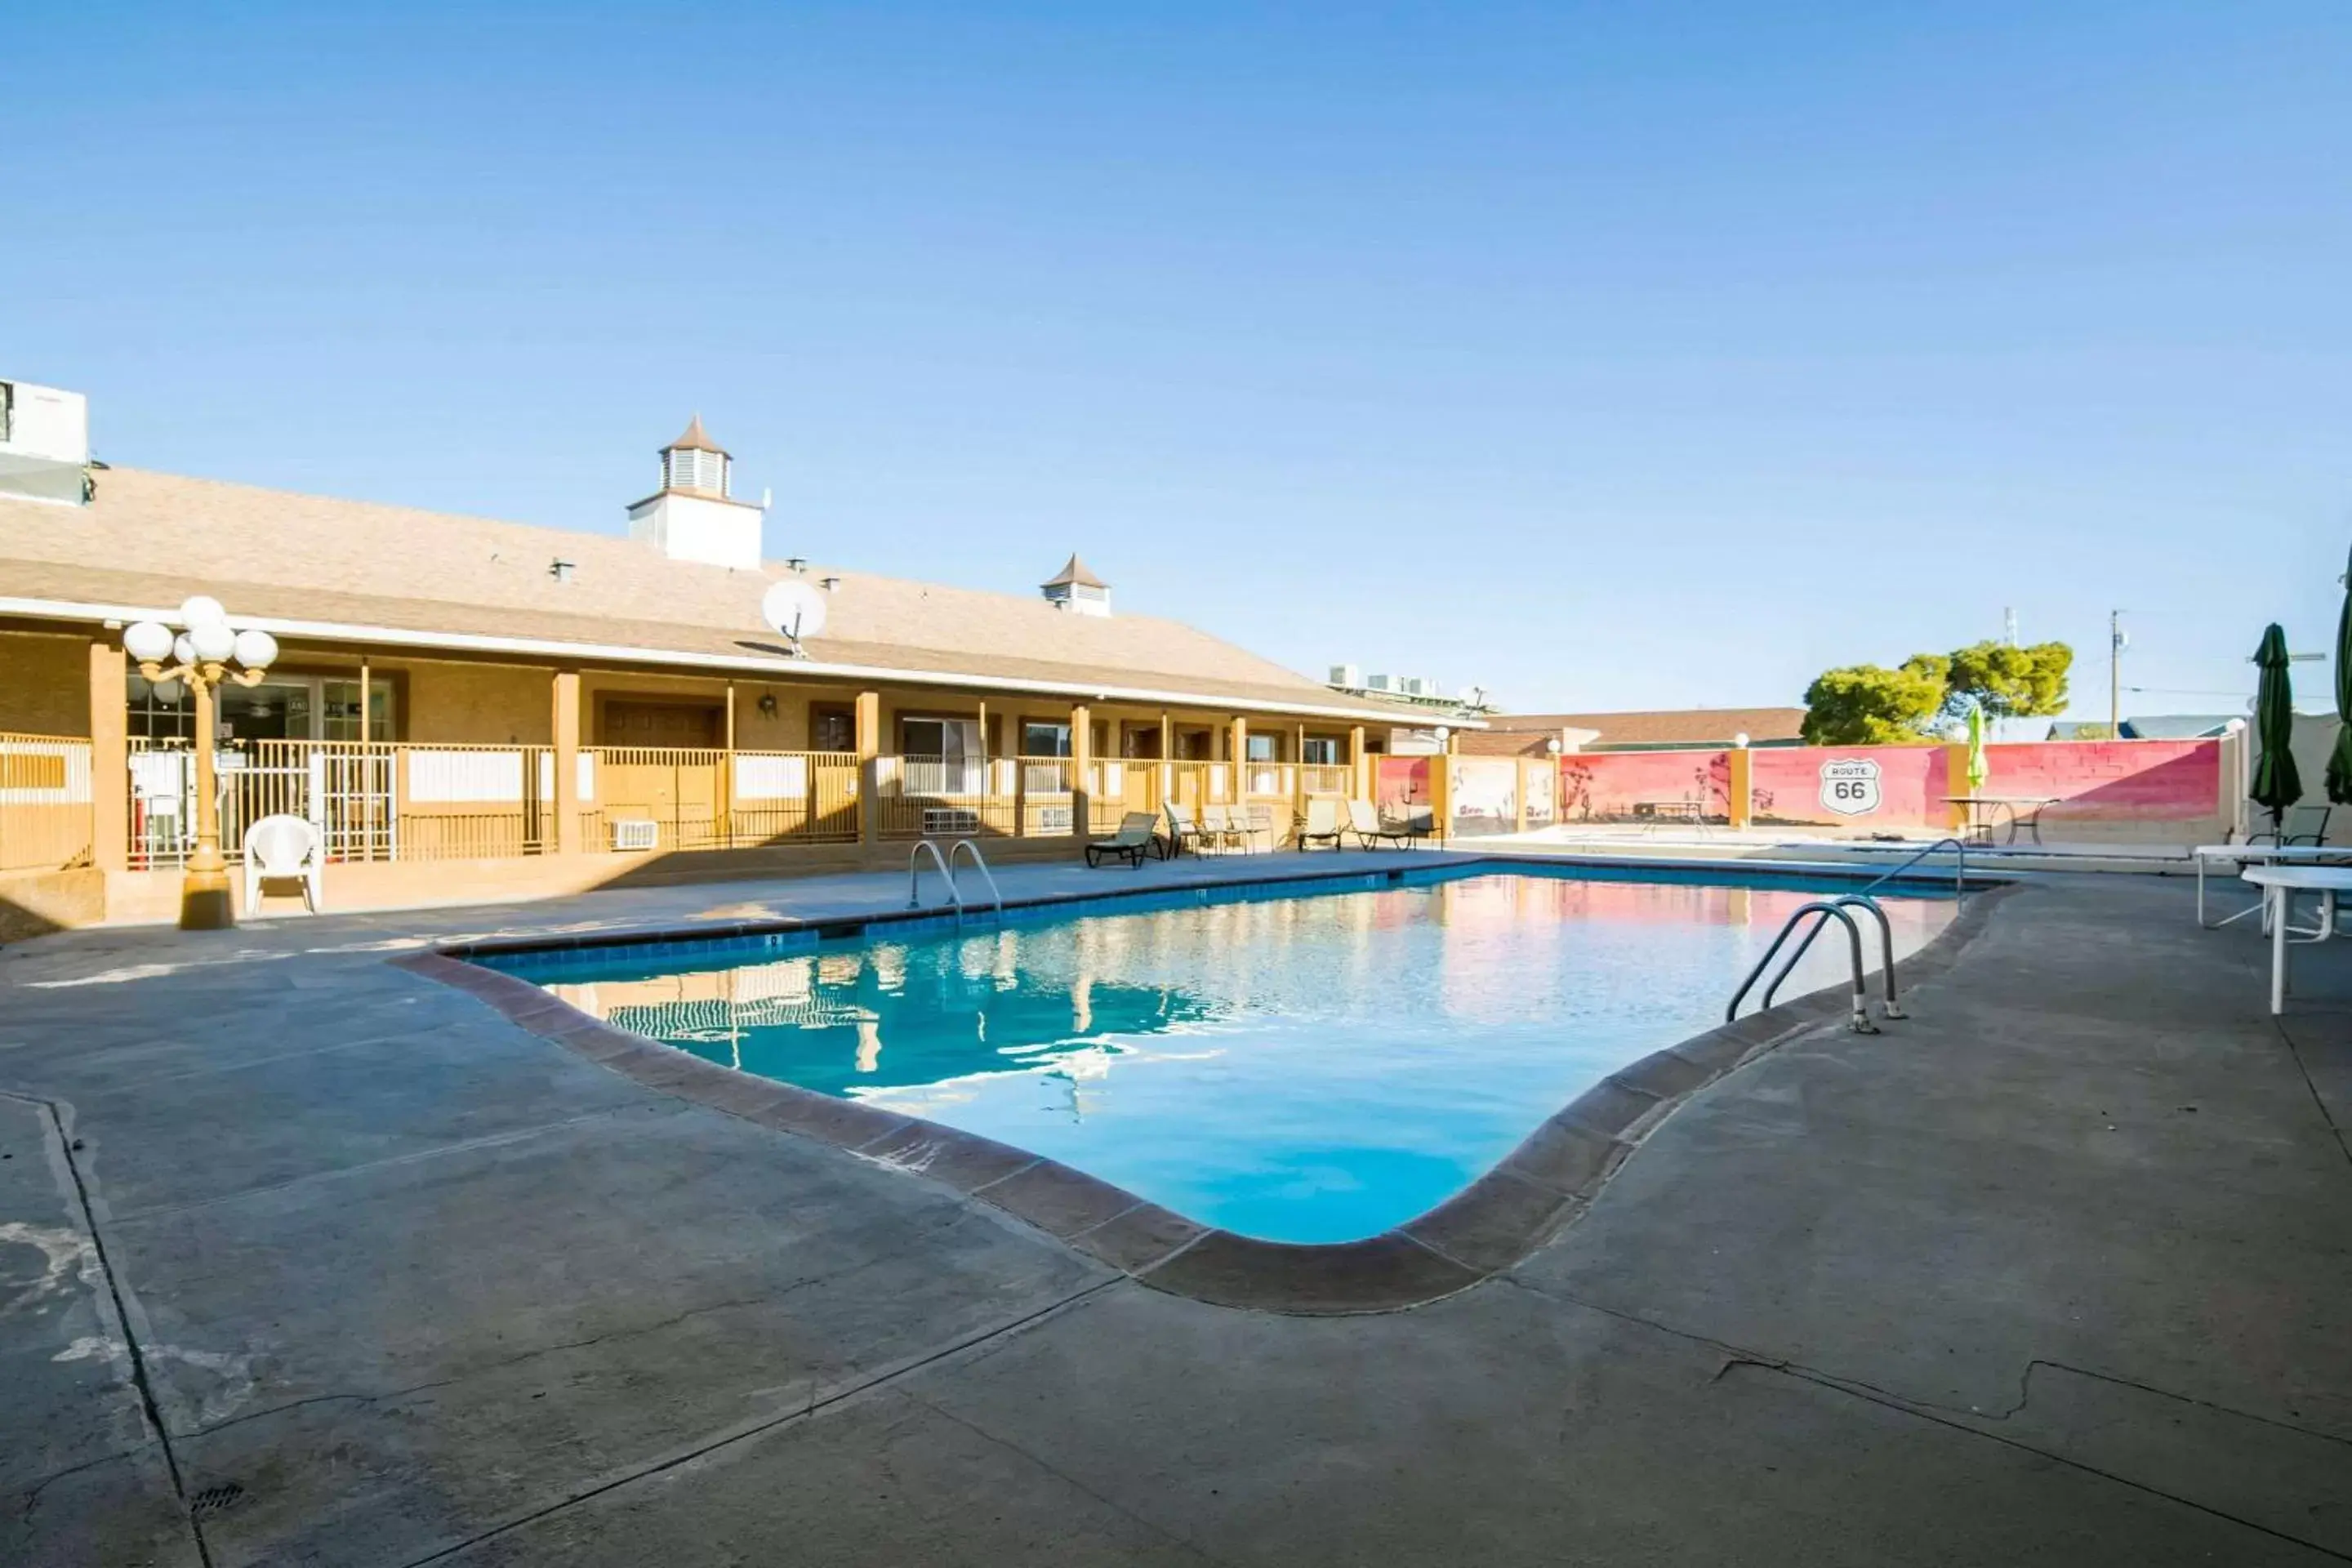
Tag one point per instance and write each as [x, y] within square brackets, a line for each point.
[1607, 786]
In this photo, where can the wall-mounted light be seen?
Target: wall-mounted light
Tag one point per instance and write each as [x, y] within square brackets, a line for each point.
[767, 705]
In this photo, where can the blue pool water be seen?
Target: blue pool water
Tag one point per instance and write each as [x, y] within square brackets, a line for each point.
[1299, 1063]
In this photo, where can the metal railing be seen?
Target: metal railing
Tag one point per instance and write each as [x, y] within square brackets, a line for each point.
[1860, 897]
[1821, 910]
[980, 864]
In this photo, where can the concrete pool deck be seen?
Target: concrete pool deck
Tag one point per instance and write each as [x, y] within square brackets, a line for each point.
[2059, 1270]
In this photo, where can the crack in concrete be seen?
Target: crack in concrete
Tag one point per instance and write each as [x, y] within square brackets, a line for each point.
[142, 1381]
[2295, 1050]
[1952, 1416]
[814, 1407]
[1163, 1532]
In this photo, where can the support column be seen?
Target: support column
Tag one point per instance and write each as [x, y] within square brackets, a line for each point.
[1519, 795]
[109, 758]
[1741, 787]
[566, 729]
[1441, 792]
[1357, 760]
[726, 803]
[1956, 782]
[1240, 757]
[869, 771]
[1082, 771]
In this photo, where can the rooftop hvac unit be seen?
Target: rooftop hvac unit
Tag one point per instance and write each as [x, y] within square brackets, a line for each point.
[1380, 683]
[43, 442]
[1347, 675]
[636, 834]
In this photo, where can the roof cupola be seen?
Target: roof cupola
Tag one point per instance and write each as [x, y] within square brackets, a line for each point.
[1077, 590]
[695, 515]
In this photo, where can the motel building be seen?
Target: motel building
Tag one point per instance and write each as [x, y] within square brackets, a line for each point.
[470, 709]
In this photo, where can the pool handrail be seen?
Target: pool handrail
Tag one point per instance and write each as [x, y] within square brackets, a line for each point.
[986, 875]
[1960, 870]
[1889, 1007]
[1885, 929]
[1824, 909]
[914, 877]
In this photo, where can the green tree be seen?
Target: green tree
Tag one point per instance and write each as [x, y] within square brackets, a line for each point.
[2010, 682]
[1869, 705]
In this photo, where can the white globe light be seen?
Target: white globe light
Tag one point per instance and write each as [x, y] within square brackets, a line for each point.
[149, 642]
[183, 650]
[203, 610]
[255, 650]
[1740, 739]
[213, 641]
[168, 692]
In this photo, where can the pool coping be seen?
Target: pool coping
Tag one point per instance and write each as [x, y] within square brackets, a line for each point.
[1521, 1203]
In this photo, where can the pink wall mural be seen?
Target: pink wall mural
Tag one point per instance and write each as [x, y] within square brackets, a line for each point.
[1634, 786]
[1910, 781]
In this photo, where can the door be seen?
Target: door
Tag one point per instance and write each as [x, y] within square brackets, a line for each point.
[943, 755]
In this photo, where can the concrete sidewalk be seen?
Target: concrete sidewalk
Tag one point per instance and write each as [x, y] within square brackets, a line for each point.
[2060, 1271]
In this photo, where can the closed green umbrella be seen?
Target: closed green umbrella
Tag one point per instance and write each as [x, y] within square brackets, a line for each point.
[2339, 760]
[1979, 769]
[2277, 783]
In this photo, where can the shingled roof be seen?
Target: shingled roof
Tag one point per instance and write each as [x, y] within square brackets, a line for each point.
[149, 539]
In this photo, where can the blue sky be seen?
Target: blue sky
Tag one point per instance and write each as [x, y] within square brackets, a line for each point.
[1610, 356]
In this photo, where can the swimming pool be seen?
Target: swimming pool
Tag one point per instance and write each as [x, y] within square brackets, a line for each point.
[1305, 1062]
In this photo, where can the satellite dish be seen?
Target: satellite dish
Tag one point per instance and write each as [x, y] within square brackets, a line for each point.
[795, 608]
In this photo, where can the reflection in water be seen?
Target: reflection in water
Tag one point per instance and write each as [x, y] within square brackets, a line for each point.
[896, 1018]
[1309, 1067]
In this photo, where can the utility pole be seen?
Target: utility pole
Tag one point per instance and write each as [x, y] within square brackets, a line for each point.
[2115, 644]
[2009, 626]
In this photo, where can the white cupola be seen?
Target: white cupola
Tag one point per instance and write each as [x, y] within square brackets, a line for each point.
[1076, 590]
[695, 515]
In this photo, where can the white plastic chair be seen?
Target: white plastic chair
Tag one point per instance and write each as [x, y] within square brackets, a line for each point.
[284, 846]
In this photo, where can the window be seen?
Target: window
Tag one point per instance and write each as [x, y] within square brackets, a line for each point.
[1265, 748]
[1045, 740]
[1321, 750]
[164, 712]
[282, 707]
[831, 728]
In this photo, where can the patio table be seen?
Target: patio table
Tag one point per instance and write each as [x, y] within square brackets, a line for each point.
[1979, 808]
[2279, 884]
[2258, 854]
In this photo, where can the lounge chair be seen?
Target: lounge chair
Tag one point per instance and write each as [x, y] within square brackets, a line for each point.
[1138, 835]
[1182, 830]
[1324, 824]
[285, 848]
[1225, 825]
[1364, 822]
[1255, 820]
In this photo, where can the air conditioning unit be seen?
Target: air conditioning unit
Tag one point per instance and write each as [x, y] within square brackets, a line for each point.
[944, 821]
[44, 443]
[636, 834]
[1348, 676]
[1055, 819]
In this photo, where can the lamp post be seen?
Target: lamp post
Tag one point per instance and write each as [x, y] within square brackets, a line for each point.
[200, 655]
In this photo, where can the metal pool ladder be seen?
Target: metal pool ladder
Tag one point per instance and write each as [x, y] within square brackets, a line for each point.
[980, 864]
[1821, 911]
[946, 863]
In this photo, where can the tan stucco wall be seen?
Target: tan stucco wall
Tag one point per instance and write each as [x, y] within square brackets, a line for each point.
[43, 684]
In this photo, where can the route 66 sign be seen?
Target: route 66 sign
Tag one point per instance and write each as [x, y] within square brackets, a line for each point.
[1849, 787]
